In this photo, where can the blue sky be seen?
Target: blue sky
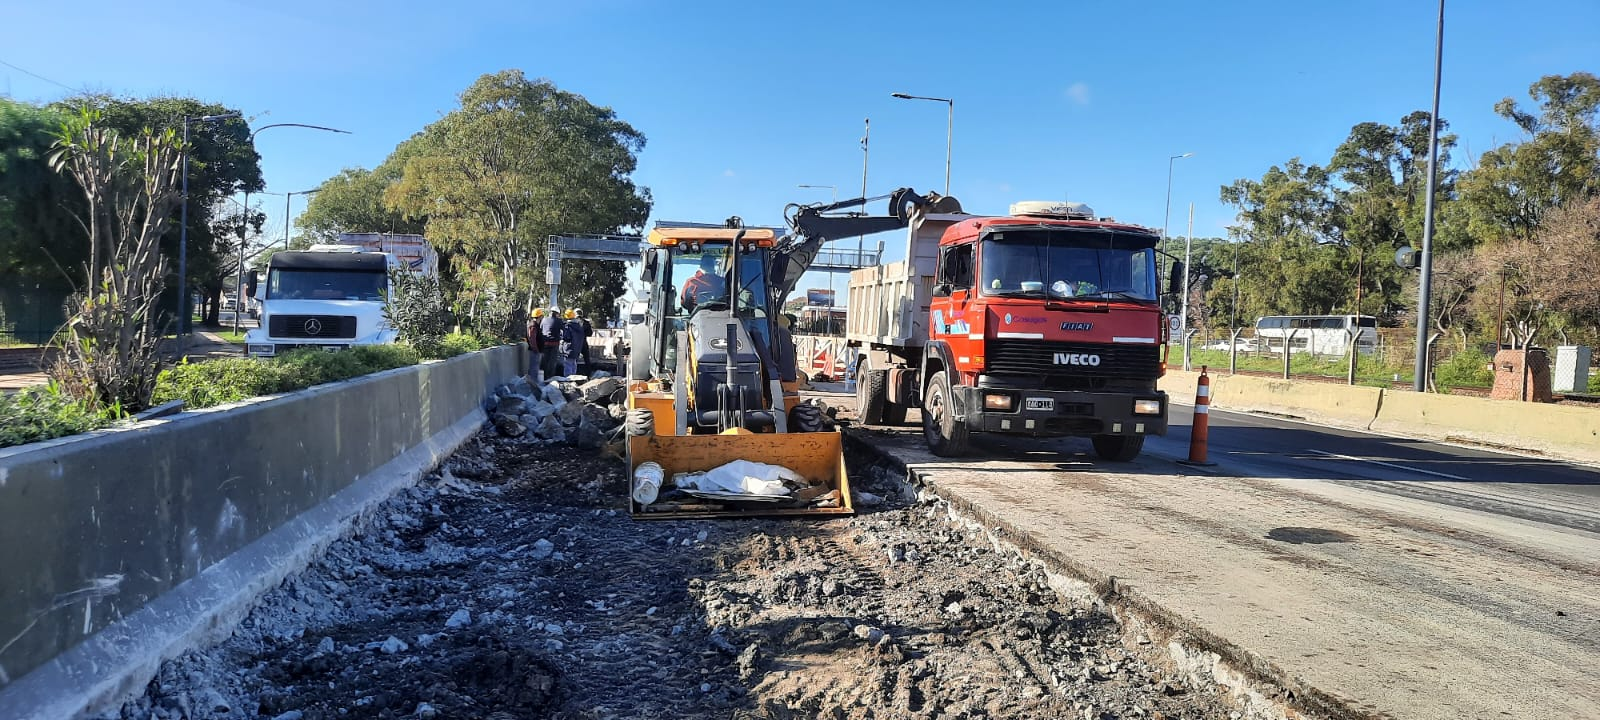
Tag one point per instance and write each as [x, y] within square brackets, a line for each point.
[742, 101]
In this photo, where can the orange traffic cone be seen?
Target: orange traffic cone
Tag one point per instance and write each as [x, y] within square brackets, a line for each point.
[1199, 430]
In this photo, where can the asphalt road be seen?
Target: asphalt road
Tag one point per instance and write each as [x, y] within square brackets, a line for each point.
[1404, 578]
[1517, 486]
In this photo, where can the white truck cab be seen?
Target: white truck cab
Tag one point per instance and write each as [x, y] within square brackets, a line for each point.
[329, 297]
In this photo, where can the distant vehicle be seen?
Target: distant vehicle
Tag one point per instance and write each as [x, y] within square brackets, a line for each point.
[328, 297]
[1245, 345]
[1327, 335]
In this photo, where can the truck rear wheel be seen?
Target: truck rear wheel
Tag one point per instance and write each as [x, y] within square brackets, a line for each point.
[1118, 448]
[947, 436]
[872, 393]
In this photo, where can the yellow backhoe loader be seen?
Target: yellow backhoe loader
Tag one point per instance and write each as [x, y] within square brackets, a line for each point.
[712, 376]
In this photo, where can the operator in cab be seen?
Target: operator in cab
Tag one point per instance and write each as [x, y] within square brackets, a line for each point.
[705, 285]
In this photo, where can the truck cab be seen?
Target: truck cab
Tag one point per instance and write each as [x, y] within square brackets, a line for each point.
[328, 297]
[1045, 322]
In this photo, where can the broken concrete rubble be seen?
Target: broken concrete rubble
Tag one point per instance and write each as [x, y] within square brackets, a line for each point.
[571, 409]
[566, 608]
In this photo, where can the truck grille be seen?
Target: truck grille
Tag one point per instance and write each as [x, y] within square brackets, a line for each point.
[1140, 362]
[312, 326]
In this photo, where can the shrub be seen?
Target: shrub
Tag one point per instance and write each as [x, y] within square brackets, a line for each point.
[307, 367]
[1464, 369]
[216, 382]
[42, 413]
[416, 310]
[1594, 384]
[459, 344]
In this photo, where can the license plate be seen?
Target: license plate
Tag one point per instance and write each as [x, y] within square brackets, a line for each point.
[1046, 404]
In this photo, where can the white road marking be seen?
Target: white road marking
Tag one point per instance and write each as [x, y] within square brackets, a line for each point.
[1390, 464]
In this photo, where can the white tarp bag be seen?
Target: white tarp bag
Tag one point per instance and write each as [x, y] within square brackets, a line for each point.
[741, 477]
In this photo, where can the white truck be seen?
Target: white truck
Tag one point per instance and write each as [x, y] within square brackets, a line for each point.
[328, 297]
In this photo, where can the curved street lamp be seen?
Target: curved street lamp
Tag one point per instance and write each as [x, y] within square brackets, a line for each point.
[244, 227]
[949, 129]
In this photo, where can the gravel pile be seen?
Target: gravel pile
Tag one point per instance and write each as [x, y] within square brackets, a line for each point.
[512, 584]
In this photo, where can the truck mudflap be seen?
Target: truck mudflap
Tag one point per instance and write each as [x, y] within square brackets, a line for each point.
[1063, 412]
[816, 456]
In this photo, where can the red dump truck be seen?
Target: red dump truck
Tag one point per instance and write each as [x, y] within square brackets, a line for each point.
[1045, 322]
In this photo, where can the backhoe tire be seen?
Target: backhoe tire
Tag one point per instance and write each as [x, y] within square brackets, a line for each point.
[640, 422]
[947, 436]
[872, 393]
[805, 418]
[1117, 448]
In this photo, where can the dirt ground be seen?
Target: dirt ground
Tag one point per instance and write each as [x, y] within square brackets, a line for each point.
[512, 584]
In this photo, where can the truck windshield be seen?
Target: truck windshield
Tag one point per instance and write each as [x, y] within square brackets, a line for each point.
[1053, 264]
[297, 284]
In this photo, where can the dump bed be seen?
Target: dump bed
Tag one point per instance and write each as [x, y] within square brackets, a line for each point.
[888, 304]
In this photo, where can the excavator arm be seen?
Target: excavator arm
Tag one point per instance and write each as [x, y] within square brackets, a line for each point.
[811, 226]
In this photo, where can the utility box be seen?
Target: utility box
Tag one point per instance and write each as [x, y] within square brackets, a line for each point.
[1522, 374]
[1572, 369]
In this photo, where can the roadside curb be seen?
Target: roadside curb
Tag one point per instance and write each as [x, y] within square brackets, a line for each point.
[1191, 647]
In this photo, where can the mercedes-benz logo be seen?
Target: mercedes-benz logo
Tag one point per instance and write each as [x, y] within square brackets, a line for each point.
[313, 326]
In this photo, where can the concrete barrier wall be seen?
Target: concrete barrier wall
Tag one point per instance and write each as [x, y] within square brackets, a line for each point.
[1565, 431]
[1560, 430]
[1350, 405]
[94, 527]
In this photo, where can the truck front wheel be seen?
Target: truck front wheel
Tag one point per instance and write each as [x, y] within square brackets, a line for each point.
[947, 436]
[1118, 448]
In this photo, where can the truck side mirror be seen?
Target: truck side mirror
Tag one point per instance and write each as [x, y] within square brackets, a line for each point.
[941, 290]
[251, 280]
[1175, 281]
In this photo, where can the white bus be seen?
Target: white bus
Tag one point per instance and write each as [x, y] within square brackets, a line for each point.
[1327, 335]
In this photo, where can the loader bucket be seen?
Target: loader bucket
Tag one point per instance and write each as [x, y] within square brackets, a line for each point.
[818, 457]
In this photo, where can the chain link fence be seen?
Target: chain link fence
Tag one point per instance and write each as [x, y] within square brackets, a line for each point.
[1387, 361]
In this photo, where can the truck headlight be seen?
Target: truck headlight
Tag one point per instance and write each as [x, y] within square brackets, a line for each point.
[1147, 407]
[254, 349]
[996, 401]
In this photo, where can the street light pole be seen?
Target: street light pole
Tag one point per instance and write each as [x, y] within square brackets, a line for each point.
[1168, 216]
[1188, 246]
[245, 228]
[866, 141]
[949, 129]
[1420, 381]
[183, 229]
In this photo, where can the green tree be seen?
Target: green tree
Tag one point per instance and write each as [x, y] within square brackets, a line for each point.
[1285, 220]
[519, 161]
[130, 187]
[38, 239]
[222, 163]
[1514, 185]
[1380, 203]
[352, 201]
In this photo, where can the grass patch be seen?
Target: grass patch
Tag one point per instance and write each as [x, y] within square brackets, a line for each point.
[1368, 370]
